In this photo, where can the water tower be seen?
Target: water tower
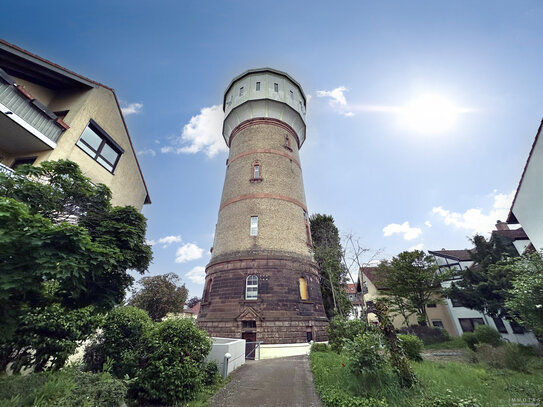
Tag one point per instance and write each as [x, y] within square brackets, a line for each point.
[262, 282]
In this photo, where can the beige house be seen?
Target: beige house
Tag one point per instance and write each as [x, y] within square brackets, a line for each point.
[373, 288]
[49, 113]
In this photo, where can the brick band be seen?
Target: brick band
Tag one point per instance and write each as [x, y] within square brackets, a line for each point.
[265, 196]
[266, 151]
[263, 120]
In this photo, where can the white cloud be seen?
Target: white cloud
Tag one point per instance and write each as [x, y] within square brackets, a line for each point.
[188, 252]
[337, 100]
[428, 224]
[197, 275]
[416, 247]
[132, 108]
[474, 219]
[404, 229]
[168, 240]
[203, 132]
[150, 242]
[149, 151]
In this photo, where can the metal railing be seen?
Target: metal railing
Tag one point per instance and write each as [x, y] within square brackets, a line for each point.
[257, 347]
[6, 170]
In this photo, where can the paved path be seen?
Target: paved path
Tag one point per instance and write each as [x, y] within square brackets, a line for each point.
[282, 382]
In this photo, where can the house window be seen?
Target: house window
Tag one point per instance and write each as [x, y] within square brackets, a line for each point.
[500, 326]
[241, 91]
[258, 86]
[254, 226]
[437, 323]
[100, 146]
[431, 305]
[276, 87]
[517, 329]
[251, 288]
[469, 324]
[456, 302]
[303, 288]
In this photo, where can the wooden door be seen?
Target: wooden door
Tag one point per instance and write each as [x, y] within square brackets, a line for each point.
[249, 347]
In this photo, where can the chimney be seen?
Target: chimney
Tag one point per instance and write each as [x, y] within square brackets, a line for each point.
[502, 225]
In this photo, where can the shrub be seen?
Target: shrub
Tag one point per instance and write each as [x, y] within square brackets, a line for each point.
[123, 331]
[64, 388]
[450, 400]
[334, 397]
[172, 371]
[211, 375]
[341, 329]
[470, 339]
[517, 358]
[412, 346]
[320, 347]
[486, 334]
[428, 335]
[367, 361]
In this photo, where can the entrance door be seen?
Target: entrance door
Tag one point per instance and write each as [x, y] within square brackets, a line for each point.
[249, 347]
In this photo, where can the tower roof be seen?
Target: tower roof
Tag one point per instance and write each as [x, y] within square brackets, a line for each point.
[259, 70]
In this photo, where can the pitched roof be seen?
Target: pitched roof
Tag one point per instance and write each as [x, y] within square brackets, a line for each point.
[460, 255]
[511, 218]
[517, 234]
[372, 275]
[350, 288]
[58, 69]
[196, 308]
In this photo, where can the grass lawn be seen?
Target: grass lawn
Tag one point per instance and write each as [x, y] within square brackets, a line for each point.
[441, 384]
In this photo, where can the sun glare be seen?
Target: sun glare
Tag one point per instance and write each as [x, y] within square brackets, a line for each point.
[429, 114]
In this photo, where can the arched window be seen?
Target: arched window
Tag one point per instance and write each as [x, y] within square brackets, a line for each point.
[251, 288]
[287, 143]
[303, 288]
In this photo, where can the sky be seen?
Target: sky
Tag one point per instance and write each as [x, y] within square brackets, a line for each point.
[420, 118]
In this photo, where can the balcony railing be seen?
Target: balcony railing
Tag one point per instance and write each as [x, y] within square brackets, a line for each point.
[5, 170]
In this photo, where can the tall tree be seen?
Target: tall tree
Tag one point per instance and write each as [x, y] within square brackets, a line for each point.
[333, 273]
[160, 295]
[412, 277]
[484, 286]
[525, 297]
[63, 247]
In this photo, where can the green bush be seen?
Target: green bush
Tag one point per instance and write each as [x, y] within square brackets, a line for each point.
[509, 356]
[486, 334]
[412, 346]
[63, 388]
[171, 372]
[428, 335]
[123, 331]
[341, 330]
[367, 361]
[470, 339]
[334, 397]
[211, 375]
[320, 347]
[450, 400]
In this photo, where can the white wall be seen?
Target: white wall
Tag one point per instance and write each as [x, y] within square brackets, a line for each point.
[222, 346]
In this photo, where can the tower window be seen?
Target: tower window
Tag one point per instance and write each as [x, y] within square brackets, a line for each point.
[287, 143]
[241, 90]
[258, 86]
[254, 226]
[276, 87]
[292, 96]
[256, 173]
[251, 288]
[303, 288]
[207, 291]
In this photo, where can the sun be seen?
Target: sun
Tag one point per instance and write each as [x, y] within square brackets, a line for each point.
[429, 114]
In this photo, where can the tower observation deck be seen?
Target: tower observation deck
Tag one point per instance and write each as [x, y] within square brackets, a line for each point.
[262, 282]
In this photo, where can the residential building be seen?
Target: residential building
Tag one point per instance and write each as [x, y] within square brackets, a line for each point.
[48, 112]
[262, 282]
[374, 287]
[526, 208]
[465, 319]
[356, 299]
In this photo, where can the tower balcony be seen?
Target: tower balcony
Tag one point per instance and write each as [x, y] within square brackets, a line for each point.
[26, 125]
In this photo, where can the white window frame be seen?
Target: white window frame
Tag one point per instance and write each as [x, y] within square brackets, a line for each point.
[251, 287]
[254, 226]
[256, 171]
